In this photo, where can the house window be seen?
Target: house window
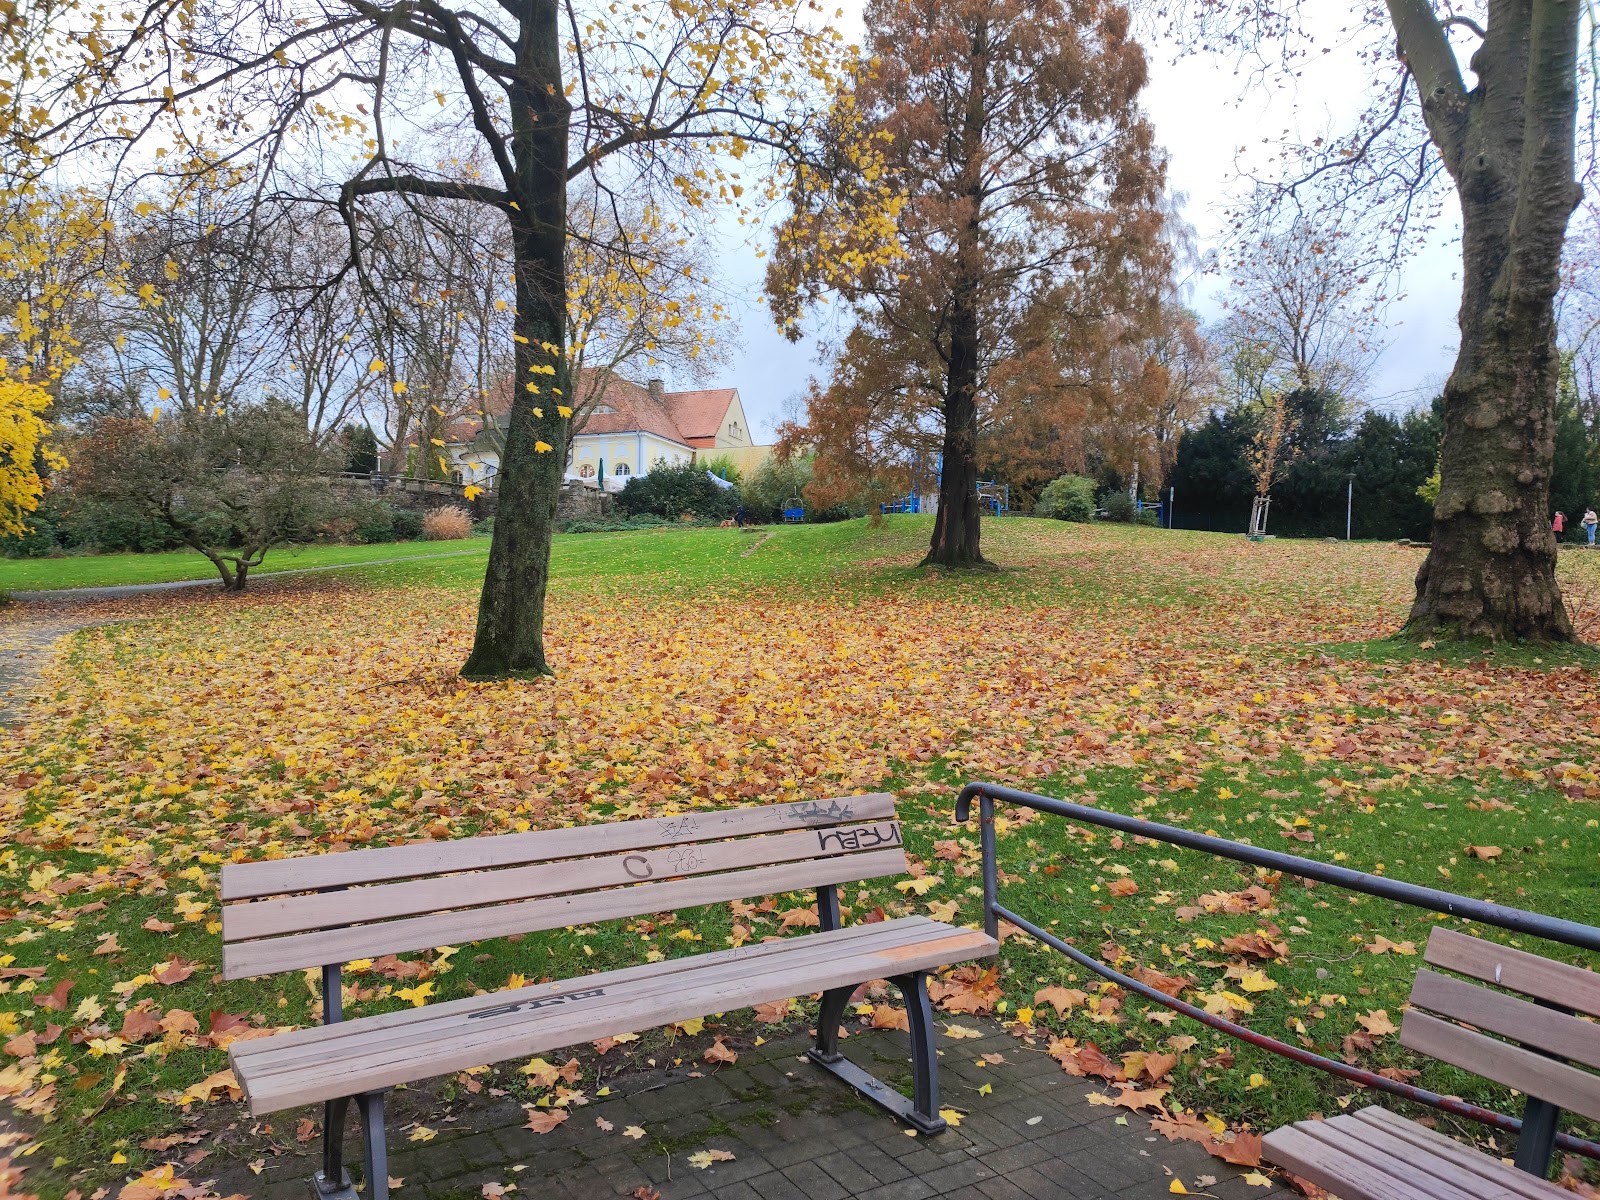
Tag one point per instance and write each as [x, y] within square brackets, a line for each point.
[621, 469]
[602, 409]
[586, 471]
[455, 477]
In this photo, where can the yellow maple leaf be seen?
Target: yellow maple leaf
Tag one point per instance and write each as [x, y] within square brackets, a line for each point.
[1256, 981]
[416, 996]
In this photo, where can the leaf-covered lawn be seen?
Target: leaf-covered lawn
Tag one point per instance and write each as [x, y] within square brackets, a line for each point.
[1186, 677]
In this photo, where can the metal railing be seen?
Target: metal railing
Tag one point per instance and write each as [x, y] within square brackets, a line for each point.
[1555, 929]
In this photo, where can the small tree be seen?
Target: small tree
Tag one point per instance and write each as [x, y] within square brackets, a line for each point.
[230, 484]
[1269, 455]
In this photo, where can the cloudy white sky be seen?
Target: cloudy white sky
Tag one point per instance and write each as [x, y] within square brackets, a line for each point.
[1204, 115]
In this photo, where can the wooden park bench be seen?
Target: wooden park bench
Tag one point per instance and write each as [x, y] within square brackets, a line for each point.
[1376, 1155]
[328, 910]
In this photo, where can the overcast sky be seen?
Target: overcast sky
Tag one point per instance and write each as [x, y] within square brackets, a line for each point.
[1204, 116]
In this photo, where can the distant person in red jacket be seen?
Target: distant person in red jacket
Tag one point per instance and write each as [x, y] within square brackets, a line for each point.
[1559, 525]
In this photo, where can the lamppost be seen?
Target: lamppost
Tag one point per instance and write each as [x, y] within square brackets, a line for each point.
[1349, 501]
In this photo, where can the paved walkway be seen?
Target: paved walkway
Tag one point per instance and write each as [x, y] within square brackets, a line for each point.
[794, 1132]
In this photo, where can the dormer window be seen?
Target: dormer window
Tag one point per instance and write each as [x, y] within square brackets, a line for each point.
[602, 409]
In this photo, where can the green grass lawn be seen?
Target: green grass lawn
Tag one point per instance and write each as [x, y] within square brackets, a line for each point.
[117, 570]
[1191, 678]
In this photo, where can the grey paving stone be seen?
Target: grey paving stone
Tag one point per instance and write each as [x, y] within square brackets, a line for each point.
[816, 1183]
[796, 1133]
[774, 1185]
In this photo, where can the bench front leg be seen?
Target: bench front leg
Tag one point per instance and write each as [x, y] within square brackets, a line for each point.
[924, 1050]
[828, 1017]
[377, 1151]
[921, 1112]
[333, 1181]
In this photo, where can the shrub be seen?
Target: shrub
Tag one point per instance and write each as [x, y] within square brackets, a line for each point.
[1118, 506]
[447, 524]
[41, 539]
[1068, 498]
[1149, 516]
[617, 524]
[374, 522]
[407, 524]
[673, 491]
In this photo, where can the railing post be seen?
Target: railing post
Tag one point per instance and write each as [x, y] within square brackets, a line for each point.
[991, 868]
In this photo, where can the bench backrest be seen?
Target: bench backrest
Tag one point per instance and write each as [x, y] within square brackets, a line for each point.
[328, 909]
[1439, 1001]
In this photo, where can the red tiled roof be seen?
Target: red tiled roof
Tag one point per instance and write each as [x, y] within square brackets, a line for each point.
[689, 418]
[636, 410]
[700, 414]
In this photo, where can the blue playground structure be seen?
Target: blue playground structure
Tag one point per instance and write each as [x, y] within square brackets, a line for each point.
[993, 496]
[794, 510]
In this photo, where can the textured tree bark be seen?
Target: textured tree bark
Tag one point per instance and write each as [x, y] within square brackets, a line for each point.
[510, 635]
[956, 527]
[1490, 571]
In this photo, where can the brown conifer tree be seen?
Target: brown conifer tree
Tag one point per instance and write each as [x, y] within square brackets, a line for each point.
[1032, 218]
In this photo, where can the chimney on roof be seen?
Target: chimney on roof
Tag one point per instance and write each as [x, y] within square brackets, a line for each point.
[657, 390]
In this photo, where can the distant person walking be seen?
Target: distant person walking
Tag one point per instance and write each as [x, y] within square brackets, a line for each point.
[1559, 525]
[1589, 522]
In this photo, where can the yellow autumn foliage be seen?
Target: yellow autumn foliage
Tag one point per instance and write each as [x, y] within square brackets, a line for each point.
[22, 449]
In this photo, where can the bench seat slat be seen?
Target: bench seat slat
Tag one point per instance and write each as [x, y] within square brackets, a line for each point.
[362, 1055]
[320, 910]
[796, 949]
[1360, 1151]
[1529, 1024]
[1531, 974]
[1530, 1073]
[315, 872]
[1431, 1142]
[1379, 1148]
[1294, 1149]
[297, 951]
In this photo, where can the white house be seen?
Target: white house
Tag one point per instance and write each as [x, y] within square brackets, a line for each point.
[630, 429]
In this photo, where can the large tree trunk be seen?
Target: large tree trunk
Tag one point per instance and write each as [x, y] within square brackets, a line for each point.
[956, 528]
[1490, 571]
[510, 636]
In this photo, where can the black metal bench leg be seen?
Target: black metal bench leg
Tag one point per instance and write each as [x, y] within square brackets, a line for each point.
[924, 1052]
[921, 1112]
[833, 1005]
[333, 1181]
[1537, 1141]
[377, 1153]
